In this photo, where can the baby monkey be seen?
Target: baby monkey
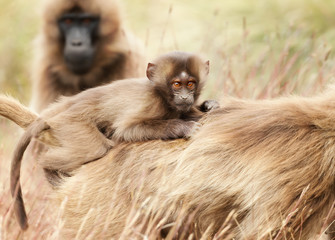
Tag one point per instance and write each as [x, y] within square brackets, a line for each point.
[82, 128]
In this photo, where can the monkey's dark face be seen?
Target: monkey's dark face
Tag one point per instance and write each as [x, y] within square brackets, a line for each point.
[79, 33]
[182, 91]
[178, 78]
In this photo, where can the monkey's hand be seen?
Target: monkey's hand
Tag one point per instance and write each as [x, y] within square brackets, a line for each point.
[209, 105]
[194, 129]
[177, 128]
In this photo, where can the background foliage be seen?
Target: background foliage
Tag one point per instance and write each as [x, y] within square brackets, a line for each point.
[254, 41]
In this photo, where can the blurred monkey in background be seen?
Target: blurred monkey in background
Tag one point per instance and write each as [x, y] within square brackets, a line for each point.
[82, 44]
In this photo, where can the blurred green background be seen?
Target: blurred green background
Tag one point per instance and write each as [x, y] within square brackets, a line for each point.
[257, 48]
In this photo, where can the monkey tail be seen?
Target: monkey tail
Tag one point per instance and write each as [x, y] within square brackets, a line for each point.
[33, 130]
[15, 111]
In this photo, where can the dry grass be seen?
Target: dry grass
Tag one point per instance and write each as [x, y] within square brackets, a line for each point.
[257, 49]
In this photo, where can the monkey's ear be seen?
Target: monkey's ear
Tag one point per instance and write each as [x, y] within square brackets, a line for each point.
[207, 67]
[150, 70]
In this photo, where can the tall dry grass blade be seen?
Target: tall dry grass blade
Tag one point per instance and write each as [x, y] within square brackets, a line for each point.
[292, 212]
[164, 29]
[206, 234]
[225, 226]
[326, 223]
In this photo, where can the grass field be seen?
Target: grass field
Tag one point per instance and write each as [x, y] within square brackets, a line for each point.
[257, 49]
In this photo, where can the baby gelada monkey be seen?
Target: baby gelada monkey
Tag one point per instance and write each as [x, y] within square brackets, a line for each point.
[82, 128]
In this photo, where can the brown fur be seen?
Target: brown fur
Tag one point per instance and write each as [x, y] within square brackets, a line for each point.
[15, 111]
[132, 110]
[119, 53]
[33, 130]
[138, 110]
[270, 161]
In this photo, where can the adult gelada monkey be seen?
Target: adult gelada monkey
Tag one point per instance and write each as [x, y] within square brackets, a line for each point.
[82, 128]
[271, 161]
[82, 44]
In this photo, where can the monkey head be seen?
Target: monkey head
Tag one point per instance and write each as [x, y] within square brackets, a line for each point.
[79, 33]
[178, 78]
[77, 30]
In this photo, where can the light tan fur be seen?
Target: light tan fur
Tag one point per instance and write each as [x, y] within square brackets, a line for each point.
[271, 161]
[132, 109]
[119, 54]
[15, 111]
[74, 129]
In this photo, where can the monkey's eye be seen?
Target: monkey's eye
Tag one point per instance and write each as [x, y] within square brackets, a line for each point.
[191, 85]
[68, 21]
[176, 85]
[86, 21]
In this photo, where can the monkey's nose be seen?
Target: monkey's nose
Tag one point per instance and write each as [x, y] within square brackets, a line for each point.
[76, 43]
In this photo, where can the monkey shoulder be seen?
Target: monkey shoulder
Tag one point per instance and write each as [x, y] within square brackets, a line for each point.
[124, 96]
[129, 88]
[121, 99]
